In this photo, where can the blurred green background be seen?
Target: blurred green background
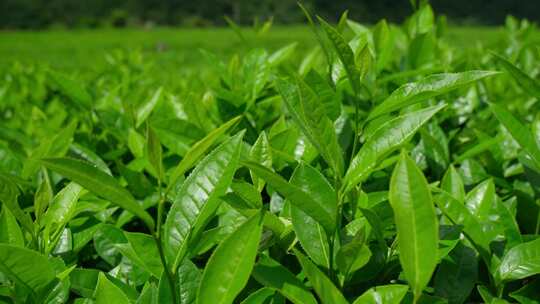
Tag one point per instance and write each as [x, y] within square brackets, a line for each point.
[79, 35]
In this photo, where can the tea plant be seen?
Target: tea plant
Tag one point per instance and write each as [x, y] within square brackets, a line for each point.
[385, 166]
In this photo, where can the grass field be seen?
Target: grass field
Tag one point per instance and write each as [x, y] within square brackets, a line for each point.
[171, 48]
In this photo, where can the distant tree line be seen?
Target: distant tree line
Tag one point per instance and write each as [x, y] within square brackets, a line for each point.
[35, 14]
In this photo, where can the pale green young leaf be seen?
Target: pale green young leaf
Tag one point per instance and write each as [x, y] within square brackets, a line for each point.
[324, 212]
[199, 149]
[146, 109]
[309, 113]
[9, 193]
[326, 290]
[521, 261]
[107, 292]
[345, 54]
[416, 223]
[73, 89]
[428, 87]
[26, 268]
[521, 134]
[10, 232]
[453, 184]
[387, 294]
[197, 199]
[261, 153]
[272, 274]
[386, 139]
[230, 265]
[530, 85]
[99, 183]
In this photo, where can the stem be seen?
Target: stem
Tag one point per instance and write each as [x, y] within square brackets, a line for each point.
[356, 131]
[537, 229]
[331, 258]
[170, 277]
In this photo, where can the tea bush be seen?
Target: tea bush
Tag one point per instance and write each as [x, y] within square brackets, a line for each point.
[383, 166]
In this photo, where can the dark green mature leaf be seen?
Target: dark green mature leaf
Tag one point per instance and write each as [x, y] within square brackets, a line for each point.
[457, 274]
[272, 274]
[309, 113]
[386, 139]
[530, 85]
[472, 227]
[9, 192]
[25, 267]
[521, 261]
[107, 292]
[345, 54]
[386, 294]
[520, 132]
[99, 183]
[416, 223]
[326, 290]
[63, 207]
[528, 294]
[229, 267]
[324, 212]
[197, 199]
[199, 149]
[431, 86]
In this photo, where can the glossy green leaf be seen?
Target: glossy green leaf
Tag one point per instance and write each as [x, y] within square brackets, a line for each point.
[416, 223]
[260, 296]
[197, 199]
[272, 274]
[10, 232]
[229, 267]
[386, 294]
[528, 294]
[323, 211]
[25, 267]
[529, 84]
[146, 109]
[345, 54]
[99, 183]
[141, 249]
[189, 278]
[521, 261]
[429, 87]
[9, 192]
[311, 235]
[326, 290]
[196, 151]
[107, 292]
[453, 184]
[386, 139]
[520, 132]
[309, 113]
[261, 153]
